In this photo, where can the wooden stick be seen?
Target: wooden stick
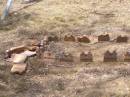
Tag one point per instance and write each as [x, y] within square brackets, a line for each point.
[6, 11]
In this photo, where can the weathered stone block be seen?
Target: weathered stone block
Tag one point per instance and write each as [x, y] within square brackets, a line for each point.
[104, 37]
[122, 39]
[66, 57]
[29, 53]
[20, 49]
[15, 50]
[69, 38]
[19, 68]
[53, 38]
[110, 56]
[19, 58]
[127, 56]
[45, 40]
[84, 39]
[86, 57]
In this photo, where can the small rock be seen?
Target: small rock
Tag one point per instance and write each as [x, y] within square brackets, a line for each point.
[18, 68]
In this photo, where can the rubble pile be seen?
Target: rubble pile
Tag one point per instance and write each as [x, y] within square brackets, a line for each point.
[18, 56]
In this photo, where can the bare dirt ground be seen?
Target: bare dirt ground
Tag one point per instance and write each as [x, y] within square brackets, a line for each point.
[60, 17]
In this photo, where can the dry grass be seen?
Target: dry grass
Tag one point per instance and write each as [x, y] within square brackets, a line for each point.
[61, 14]
[37, 67]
